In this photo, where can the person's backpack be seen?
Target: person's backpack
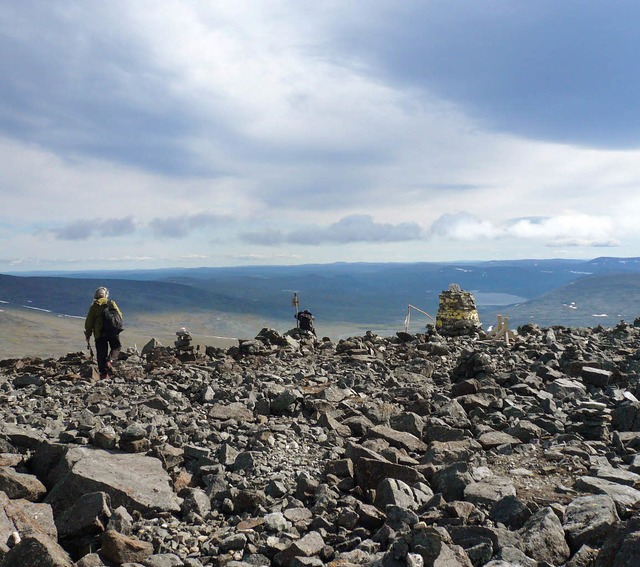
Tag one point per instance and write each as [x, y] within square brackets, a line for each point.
[112, 323]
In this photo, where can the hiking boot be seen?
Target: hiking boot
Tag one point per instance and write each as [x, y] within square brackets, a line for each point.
[104, 376]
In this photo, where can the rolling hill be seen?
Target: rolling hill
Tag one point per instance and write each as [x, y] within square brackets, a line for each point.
[346, 298]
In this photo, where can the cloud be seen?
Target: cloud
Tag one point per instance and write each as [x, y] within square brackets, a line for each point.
[182, 226]
[85, 229]
[107, 95]
[537, 71]
[463, 226]
[568, 230]
[350, 229]
[581, 242]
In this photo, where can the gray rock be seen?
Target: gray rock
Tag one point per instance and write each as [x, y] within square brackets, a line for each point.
[563, 388]
[450, 481]
[596, 376]
[622, 545]
[22, 517]
[619, 476]
[489, 491]
[395, 492]
[542, 538]
[285, 401]
[195, 502]
[370, 472]
[148, 348]
[163, 560]
[89, 560]
[234, 410]
[134, 481]
[276, 522]
[359, 425]
[311, 544]
[408, 422]
[510, 556]
[298, 515]
[88, 515]
[120, 521]
[234, 542]
[511, 512]
[120, 548]
[585, 557]
[37, 549]
[588, 519]
[248, 501]
[399, 439]
[444, 453]
[21, 485]
[493, 439]
[626, 498]
[22, 436]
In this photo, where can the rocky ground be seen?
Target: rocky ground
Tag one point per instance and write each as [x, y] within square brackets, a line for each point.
[287, 451]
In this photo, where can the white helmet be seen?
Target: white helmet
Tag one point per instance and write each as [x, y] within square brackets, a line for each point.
[101, 292]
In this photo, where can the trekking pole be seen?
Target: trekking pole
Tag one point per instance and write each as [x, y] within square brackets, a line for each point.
[90, 350]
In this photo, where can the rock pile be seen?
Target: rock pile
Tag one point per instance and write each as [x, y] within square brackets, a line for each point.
[184, 348]
[286, 451]
[457, 313]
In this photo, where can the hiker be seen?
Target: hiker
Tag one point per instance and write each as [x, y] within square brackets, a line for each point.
[105, 339]
[305, 321]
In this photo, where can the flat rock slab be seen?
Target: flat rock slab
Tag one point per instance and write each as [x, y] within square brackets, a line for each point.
[298, 514]
[236, 411]
[21, 436]
[489, 491]
[134, 481]
[493, 439]
[399, 439]
[596, 376]
[619, 476]
[626, 498]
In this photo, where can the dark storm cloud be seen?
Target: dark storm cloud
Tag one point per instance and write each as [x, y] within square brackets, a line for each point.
[181, 226]
[106, 228]
[350, 229]
[558, 71]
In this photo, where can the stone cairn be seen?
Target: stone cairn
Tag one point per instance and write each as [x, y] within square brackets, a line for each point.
[184, 348]
[457, 313]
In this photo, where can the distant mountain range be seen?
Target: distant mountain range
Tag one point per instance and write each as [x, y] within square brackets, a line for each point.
[563, 292]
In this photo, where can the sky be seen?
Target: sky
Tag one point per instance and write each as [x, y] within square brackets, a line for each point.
[170, 133]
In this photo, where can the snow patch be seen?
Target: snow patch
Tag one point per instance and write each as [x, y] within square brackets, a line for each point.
[37, 308]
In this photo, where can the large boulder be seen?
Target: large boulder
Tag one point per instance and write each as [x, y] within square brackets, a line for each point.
[132, 480]
[542, 538]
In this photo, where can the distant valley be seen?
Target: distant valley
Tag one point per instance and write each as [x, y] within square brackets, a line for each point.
[221, 304]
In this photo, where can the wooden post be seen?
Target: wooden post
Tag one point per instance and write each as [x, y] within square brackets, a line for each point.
[295, 301]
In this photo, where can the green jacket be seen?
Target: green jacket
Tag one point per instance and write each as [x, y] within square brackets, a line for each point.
[93, 322]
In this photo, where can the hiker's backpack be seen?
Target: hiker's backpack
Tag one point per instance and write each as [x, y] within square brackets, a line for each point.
[112, 323]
